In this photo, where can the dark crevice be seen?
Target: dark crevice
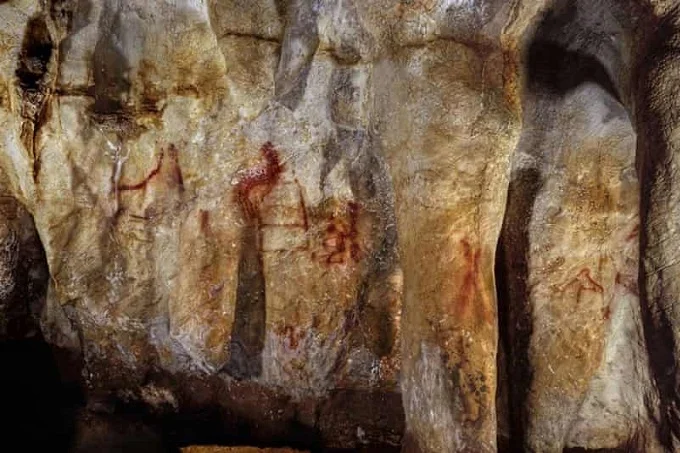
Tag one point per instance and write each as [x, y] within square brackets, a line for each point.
[652, 160]
[39, 386]
[256, 37]
[32, 75]
[514, 309]
[36, 51]
[249, 328]
[369, 183]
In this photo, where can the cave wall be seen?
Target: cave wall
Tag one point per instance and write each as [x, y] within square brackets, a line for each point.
[442, 224]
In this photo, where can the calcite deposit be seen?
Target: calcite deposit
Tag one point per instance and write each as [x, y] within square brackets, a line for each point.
[428, 225]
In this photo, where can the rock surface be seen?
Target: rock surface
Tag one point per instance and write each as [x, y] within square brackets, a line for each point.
[213, 449]
[447, 225]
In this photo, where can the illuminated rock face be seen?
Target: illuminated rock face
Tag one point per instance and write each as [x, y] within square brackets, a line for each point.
[443, 224]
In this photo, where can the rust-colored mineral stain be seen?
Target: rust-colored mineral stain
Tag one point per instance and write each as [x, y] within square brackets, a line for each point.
[204, 219]
[472, 287]
[143, 183]
[257, 182]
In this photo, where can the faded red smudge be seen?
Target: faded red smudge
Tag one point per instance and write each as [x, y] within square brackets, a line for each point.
[303, 207]
[606, 313]
[290, 334]
[257, 182]
[342, 236]
[634, 234]
[472, 287]
[204, 219]
[630, 284]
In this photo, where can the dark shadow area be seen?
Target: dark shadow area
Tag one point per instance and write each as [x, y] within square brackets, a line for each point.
[634, 445]
[36, 52]
[38, 409]
[557, 70]
[251, 415]
[514, 309]
[653, 167]
[41, 413]
[110, 66]
[562, 54]
[249, 327]
[300, 39]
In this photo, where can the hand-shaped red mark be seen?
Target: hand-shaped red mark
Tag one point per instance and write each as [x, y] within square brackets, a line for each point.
[341, 237]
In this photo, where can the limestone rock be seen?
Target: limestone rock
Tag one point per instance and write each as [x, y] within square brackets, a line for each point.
[213, 449]
[447, 225]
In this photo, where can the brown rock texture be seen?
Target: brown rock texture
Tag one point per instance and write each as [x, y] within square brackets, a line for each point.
[428, 225]
[213, 449]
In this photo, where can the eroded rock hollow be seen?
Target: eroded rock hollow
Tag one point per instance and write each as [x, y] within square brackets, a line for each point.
[428, 225]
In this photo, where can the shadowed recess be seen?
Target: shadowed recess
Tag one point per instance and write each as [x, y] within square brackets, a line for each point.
[249, 328]
[36, 51]
[514, 310]
[652, 159]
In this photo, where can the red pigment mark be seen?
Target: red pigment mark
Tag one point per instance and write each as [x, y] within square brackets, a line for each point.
[585, 283]
[257, 182]
[472, 287]
[634, 234]
[291, 335]
[142, 184]
[303, 207]
[173, 154]
[139, 217]
[341, 239]
[606, 313]
[631, 285]
[204, 218]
